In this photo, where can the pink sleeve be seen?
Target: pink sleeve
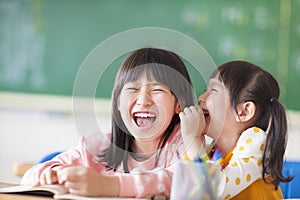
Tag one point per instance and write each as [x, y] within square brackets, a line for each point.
[32, 176]
[69, 157]
[145, 184]
[82, 155]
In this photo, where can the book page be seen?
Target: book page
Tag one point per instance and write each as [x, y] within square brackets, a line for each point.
[39, 190]
[58, 192]
[76, 197]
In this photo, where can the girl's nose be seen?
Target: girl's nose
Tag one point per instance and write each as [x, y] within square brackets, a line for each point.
[144, 99]
[202, 98]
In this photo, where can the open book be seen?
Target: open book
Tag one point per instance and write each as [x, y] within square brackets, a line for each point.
[55, 191]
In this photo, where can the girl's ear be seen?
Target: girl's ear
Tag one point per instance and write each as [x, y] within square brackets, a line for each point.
[246, 111]
[177, 108]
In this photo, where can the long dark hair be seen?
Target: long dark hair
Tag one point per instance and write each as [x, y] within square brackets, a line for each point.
[167, 68]
[248, 82]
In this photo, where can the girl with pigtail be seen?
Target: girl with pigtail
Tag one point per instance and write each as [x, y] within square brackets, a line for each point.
[241, 111]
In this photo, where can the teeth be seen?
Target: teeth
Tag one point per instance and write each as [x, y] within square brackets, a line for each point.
[144, 115]
[205, 112]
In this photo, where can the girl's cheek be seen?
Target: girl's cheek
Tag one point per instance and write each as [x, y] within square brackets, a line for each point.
[209, 104]
[128, 99]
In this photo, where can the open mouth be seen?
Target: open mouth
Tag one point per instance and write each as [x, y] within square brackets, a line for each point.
[206, 113]
[144, 119]
[207, 119]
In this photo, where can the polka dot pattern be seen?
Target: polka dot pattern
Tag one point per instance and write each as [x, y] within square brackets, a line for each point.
[234, 164]
[161, 188]
[237, 181]
[248, 177]
[262, 146]
[256, 130]
[146, 178]
[140, 189]
[227, 196]
[242, 148]
[259, 162]
[245, 165]
[249, 140]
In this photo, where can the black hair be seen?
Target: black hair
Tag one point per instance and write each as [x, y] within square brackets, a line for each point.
[248, 82]
[167, 68]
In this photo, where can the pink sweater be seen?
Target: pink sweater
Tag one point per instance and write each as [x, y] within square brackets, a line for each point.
[144, 180]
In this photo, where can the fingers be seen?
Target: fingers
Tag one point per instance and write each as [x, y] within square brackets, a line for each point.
[187, 111]
[71, 174]
[51, 177]
[73, 185]
[59, 167]
[192, 122]
[48, 177]
[77, 179]
[77, 188]
[65, 175]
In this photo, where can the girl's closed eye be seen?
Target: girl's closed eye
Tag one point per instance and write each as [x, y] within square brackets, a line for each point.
[130, 87]
[215, 86]
[214, 90]
[211, 90]
[159, 89]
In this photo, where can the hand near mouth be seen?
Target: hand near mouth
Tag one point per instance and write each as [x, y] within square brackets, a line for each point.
[192, 130]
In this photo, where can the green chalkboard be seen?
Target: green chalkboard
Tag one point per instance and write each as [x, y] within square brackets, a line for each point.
[44, 42]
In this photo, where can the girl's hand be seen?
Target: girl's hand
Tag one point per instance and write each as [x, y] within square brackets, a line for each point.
[192, 123]
[49, 176]
[83, 181]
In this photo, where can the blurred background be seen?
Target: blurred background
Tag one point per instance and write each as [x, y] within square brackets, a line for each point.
[44, 42]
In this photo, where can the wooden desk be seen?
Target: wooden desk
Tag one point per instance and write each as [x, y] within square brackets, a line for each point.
[22, 197]
[19, 196]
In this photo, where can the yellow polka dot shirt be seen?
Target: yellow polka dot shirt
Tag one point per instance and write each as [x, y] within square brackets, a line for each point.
[245, 164]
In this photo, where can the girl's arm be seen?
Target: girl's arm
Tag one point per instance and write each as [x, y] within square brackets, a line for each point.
[84, 154]
[40, 174]
[84, 175]
[83, 181]
[45, 173]
[245, 165]
[146, 184]
[192, 123]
